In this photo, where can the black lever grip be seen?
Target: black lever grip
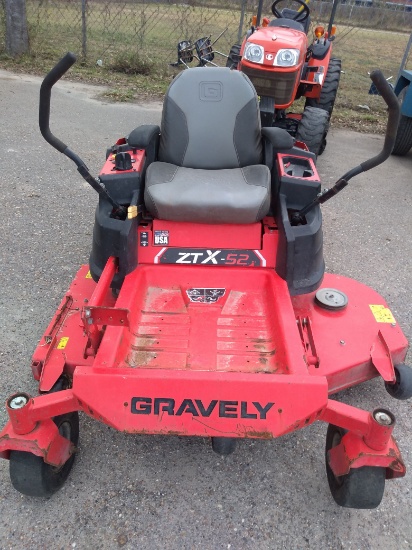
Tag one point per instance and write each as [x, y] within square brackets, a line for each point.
[45, 93]
[391, 101]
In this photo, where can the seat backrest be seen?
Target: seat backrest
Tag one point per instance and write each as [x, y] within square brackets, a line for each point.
[211, 120]
[288, 20]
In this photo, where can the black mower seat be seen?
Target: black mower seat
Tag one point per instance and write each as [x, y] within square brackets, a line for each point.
[239, 195]
[209, 167]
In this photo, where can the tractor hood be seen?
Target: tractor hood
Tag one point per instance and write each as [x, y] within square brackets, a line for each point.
[273, 39]
[273, 58]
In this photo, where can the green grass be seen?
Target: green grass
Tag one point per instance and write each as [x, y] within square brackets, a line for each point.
[362, 51]
[135, 44]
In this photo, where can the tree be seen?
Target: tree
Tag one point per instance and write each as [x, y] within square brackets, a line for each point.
[17, 37]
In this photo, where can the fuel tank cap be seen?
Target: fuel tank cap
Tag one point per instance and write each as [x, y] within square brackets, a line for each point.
[331, 298]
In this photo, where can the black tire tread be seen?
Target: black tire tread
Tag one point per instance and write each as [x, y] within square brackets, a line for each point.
[29, 474]
[362, 488]
[402, 389]
[403, 141]
[234, 56]
[313, 128]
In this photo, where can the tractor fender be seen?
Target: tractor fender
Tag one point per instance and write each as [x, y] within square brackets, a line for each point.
[322, 66]
[320, 50]
[321, 61]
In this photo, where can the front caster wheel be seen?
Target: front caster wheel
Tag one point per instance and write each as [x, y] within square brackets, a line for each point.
[402, 388]
[32, 476]
[29, 473]
[223, 445]
[361, 488]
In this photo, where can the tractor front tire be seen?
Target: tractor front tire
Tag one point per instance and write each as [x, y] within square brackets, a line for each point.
[362, 488]
[329, 90]
[403, 141]
[313, 129]
[234, 57]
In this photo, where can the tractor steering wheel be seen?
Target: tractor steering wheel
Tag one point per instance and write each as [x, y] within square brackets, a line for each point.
[300, 16]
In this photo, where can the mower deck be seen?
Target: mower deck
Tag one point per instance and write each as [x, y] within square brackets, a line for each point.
[238, 358]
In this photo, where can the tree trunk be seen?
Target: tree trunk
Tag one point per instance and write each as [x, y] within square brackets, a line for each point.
[17, 38]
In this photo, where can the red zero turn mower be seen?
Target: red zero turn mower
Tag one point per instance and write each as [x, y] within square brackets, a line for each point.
[205, 309]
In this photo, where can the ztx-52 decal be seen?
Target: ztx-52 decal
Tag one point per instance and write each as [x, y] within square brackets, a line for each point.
[210, 257]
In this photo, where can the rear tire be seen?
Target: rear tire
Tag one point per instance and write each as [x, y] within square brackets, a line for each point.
[361, 488]
[329, 90]
[234, 57]
[313, 129]
[403, 141]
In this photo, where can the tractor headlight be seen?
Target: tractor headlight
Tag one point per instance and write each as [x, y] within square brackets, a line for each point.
[286, 58]
[254, 53]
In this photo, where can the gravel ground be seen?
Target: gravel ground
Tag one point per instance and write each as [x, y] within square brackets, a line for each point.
[169, 492]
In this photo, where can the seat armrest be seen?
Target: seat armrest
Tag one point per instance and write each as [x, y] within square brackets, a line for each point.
[275, 140]
[280, 139]
[145, 137]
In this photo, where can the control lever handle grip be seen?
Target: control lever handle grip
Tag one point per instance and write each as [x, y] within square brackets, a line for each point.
[45, 93]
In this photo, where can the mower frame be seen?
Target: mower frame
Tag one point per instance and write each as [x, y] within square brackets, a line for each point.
[224, 331]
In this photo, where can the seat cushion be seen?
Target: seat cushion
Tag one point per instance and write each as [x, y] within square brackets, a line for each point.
[235, 195]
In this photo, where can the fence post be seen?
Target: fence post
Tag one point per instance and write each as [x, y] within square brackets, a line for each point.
[405, 57]
[242, 18]
[17, 38]
[84, 29]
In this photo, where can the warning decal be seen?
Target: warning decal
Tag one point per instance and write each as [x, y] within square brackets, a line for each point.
[382, 314]
[62, 342]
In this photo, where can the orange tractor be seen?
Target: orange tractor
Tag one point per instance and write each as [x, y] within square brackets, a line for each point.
[284, 66]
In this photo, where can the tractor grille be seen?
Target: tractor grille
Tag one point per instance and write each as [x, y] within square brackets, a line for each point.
[278, 85]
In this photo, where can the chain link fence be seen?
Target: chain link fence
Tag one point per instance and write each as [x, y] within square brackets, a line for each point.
[102, 30]
[105, 31]
[140, 38]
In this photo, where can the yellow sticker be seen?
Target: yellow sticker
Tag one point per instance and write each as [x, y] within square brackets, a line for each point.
[63, 342]
[132, 212]
[88, 275]
[382, 314]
